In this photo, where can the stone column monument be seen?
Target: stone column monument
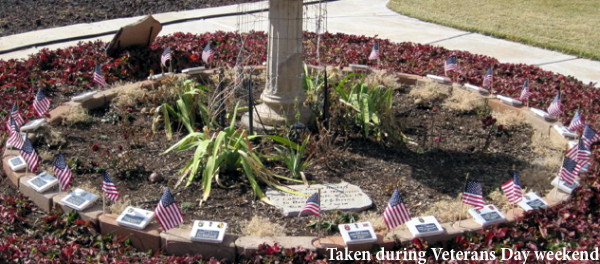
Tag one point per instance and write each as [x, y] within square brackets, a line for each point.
[283, 96]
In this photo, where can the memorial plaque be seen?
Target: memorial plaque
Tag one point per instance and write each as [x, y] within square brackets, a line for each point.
[531, 201]
[136, 218]
[79, 199]
[541, 113]
[357, 233]
[424, 226]
[563, 186]
[33, 125]
[439, 79]
[17, 163]
[476, 88]
[338, 196]
[43, 182]
[194, 70]
[208, 231]
[487, 215]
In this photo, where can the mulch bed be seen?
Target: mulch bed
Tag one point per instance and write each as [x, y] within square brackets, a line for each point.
[433, 169]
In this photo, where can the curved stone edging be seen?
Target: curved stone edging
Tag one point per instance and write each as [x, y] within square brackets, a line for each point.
[176, 241]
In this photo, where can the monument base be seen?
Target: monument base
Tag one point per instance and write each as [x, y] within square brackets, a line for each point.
[267, 117]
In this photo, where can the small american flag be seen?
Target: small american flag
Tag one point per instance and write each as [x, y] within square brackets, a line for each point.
[572, 153]
[374, 52]
[512, 189]
[569, 171]
[589, 136]
[312, 205]
[167, 211]
[62, 171]
[396, 212]
[451, 64]
[207, 53]
[473, 194]
[109, 188]
[28, 153]
[554, 108]
[584, 156]
[166, 56]
[15, 139]
[525, 93]
[16, 115]
[99, 76]
[41, 103]
[488, 78]
[577, 123]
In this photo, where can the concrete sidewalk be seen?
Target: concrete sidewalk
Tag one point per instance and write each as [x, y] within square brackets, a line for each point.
[359, 17]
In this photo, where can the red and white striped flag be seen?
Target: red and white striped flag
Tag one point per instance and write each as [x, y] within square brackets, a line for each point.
[374, 52]
[525, 93]
[577, 123]
[451, 64]
[512, 189]
[99, 76]
[62, 171]
[16, 115]
[166, 56]
[488, 78]
[473, 194]
[28, 153]
[569, 171]
[15, 138]
[167, 211]
[41, 103]
[396, 212]
[554, 109]
[312, 205]
[207, 53]
[109, 188]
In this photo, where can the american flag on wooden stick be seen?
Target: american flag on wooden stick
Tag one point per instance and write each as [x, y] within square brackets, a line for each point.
[577, 123]
[99, 76]
[396, 212]
[589, 136]
[109, 188]
[473, 194]
[17, 115]
[28, 153]
[525, 93]
[166, 56]
[451, 64]
[62, 171]
[374, 52]
[554, 108]
[207, 53]
[15, 139]
[312, 205]
[167, 211]
[569, 171]
[488, 78]
[512, 189]
[41, 103]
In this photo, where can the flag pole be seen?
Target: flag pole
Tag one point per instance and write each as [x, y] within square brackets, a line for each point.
[103, 203]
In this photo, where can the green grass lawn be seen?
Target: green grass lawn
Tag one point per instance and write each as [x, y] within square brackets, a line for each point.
[569, 26]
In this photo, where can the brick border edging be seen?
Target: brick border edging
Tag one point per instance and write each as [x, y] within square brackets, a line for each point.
[176, 240]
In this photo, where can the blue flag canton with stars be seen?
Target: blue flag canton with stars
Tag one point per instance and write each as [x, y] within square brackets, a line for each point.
[515, 176]
[106, 177]
[396, 198]
[40, 94]
[473, 187]
[314, 199]
[569, 164]
[167, 198]
[60, 162]
[451, 61]
[589, 133]
[27, 147]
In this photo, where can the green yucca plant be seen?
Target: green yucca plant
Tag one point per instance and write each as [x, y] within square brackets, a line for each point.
[369, 105]
[190, 109]
[216, 152]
